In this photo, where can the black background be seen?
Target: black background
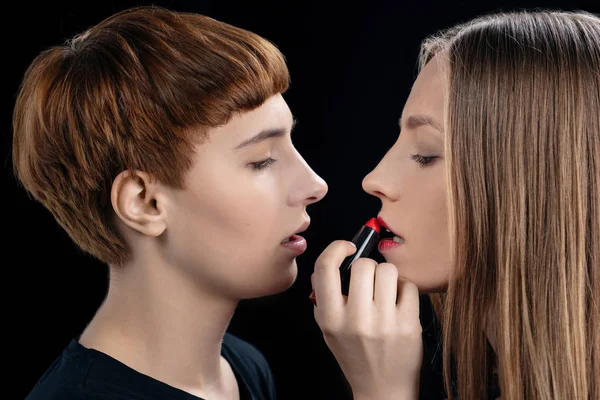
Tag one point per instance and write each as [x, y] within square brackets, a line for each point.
[352, 67]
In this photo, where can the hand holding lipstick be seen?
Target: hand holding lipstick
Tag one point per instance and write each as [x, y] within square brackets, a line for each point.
[375, 339]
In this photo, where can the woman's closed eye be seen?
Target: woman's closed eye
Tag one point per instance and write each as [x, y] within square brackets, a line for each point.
[260, 165]
[423, 160]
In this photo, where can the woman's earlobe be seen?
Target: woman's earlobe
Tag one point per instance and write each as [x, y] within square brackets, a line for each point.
[134, 200]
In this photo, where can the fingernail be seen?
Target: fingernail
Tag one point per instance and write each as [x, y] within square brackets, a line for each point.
[313, 298]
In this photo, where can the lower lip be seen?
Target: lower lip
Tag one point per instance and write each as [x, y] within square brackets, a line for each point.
[387, 245]
[296, 244]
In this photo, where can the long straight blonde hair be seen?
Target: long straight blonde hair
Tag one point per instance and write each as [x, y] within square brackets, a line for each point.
[523, 158]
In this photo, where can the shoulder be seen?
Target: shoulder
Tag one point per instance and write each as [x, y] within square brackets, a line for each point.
[63, 379]
[243, 351]
[44, 392]
[244, 357]
[251, 365]
[79, 373]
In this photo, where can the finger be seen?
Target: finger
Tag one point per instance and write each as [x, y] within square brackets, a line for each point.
[326, 278]
[360, 291]
[408, 299]
[386, 285]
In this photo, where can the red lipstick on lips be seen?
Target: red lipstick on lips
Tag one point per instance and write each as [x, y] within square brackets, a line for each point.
[382, 223]
[386, 243]
[365, 240]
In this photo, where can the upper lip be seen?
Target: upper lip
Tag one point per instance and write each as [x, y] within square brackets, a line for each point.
[302, 228]
[386, 226]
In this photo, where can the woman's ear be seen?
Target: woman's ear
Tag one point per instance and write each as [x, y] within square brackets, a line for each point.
[135, 201]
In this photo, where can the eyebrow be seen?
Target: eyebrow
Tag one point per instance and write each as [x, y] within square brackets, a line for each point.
[416, 121]
[264, 135]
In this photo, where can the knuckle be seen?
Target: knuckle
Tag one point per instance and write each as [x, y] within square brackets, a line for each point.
[327, 328]
[364, 264]
[332, 330]
[337, 244]
[328, 331]
[410, 286]
[328, 256]
[361, 333]
[361, 330]
[406, 284]
[388, 269]
[321, 265]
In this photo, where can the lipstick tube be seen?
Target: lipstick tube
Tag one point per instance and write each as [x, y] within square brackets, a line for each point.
[366, 240]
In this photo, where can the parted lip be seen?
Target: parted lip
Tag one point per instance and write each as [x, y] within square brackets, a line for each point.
[386, 226]
[301, 229]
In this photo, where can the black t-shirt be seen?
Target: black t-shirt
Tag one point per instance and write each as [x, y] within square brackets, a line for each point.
[87, 374]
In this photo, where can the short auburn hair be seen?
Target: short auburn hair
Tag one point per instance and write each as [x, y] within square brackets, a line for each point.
[135, 92]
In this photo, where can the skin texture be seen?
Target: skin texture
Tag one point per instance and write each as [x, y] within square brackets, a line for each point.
[410, 181]
[197, 251]
[375, 332]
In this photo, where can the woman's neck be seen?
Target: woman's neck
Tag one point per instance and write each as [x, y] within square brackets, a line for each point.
[156, 320]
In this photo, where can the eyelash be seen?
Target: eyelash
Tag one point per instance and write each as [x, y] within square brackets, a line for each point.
[423, 160]
[260, 165]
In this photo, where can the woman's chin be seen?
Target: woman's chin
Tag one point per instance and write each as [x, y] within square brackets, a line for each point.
[276, 282]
